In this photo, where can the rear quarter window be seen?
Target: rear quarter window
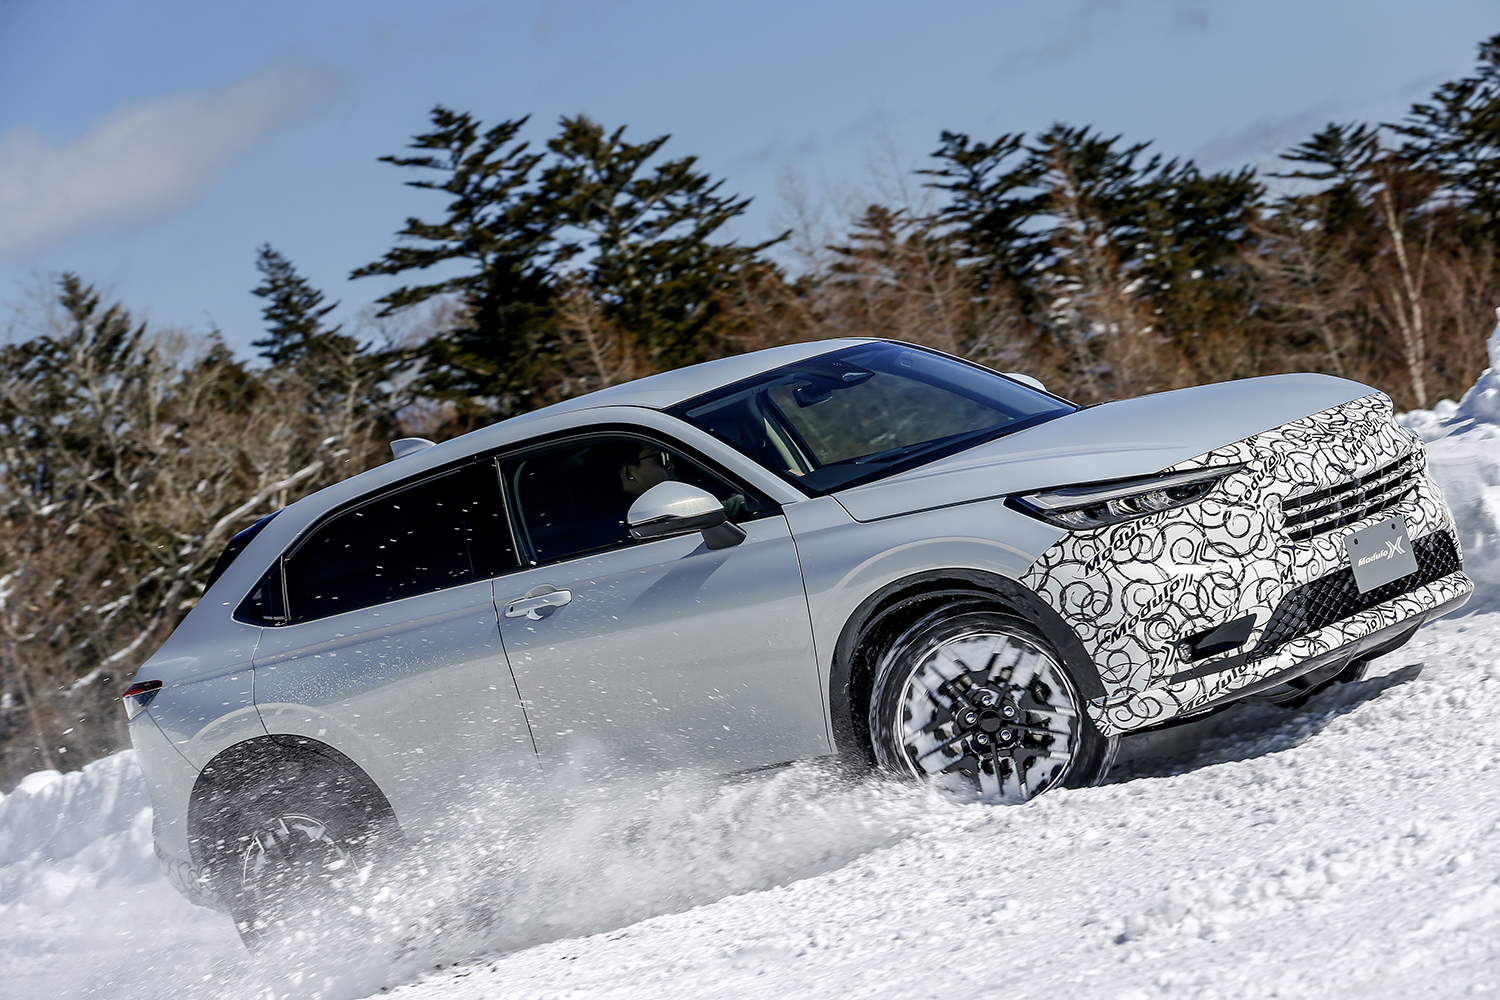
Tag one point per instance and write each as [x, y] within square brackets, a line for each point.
[414, 541]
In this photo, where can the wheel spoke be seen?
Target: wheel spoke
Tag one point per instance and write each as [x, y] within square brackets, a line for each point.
[989, 783]
[1012, 788]
[1028, 703]
[963, 764]
[1035, 730]
[1024, 671]
[996, 659]
[948, 656]
[950, 691]
[938, 717]
[931, 680]
[922, 756]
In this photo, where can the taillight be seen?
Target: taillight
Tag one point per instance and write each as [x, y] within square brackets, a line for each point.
[138, 696]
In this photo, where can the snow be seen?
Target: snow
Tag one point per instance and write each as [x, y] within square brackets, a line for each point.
[1463, 449]
[84, 910]
[1350, 847]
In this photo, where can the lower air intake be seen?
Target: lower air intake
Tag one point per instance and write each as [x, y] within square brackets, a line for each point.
[1335, 597]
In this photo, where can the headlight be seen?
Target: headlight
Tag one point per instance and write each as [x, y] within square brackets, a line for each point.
[1093, 506]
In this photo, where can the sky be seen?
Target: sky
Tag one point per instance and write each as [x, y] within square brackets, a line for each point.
[152, 146]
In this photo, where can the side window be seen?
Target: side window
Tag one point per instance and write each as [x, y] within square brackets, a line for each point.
[571, 498]
[414, 541]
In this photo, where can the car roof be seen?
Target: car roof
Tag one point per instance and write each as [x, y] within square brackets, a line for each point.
[656, 392]
[670, 388]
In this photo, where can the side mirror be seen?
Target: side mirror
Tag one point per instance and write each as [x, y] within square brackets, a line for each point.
[1035, 383]
[674, 508]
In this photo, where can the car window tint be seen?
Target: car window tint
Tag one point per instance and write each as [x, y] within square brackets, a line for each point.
[414, 541]
[571, 498]
[263, 605]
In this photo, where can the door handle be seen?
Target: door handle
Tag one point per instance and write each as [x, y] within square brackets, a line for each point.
[538, 606]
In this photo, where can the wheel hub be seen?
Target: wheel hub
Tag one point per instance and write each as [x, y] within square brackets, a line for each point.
[990, 728]
[291, 848]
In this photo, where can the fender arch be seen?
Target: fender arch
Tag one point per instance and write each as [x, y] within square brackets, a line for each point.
[257, 766]
[888, 612]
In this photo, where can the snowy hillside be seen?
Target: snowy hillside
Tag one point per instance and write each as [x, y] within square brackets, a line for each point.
[1348, 848]
[1351, 847]
[1463, 447]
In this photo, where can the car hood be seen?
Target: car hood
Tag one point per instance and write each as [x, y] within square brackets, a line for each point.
[1128, 437]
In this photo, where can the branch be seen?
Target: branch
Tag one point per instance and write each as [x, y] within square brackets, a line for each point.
[258, 499]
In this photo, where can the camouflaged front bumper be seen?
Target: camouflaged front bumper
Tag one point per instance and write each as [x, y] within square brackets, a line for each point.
[1269, 542]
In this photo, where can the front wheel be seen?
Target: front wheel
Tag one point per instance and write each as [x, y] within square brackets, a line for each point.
[978, 700]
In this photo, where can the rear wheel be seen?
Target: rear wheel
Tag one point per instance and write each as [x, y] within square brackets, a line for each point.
[978, 700]
[292, 853]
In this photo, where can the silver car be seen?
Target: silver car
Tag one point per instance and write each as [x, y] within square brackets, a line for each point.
[855, 549]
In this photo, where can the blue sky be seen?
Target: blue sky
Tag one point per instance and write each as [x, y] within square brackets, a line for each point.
[153, 145]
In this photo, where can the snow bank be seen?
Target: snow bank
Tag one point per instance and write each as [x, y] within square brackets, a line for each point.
[1463, 447]
[53, 819]
[84, 910]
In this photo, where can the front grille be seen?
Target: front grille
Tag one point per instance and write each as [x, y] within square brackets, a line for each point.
[1340, 506]
[1335, 597]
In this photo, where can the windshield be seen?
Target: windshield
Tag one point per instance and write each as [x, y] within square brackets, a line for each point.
[865, 412]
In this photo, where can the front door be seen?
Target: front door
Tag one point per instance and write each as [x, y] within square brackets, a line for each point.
[653, 654]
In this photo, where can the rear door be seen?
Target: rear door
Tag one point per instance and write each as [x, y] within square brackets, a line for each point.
[390, 651]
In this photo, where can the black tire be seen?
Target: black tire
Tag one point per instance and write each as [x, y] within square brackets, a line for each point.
[293, 851]
[976, 699]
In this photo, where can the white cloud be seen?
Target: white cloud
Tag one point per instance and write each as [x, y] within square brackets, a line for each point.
[139, 162]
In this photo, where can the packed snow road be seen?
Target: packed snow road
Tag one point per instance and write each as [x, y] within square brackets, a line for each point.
[1351, 847]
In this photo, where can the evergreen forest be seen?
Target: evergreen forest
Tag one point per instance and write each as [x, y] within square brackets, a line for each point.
[551, 263]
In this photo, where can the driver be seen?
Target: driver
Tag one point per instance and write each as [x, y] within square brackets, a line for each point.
[649, 466]
[645, 465]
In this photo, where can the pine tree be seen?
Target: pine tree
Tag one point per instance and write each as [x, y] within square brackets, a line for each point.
[1099, 240]
[340, 379]
[1340, 157]
[598, 217]
[505, 238]
[992, 208]
[1457, 134]
[294, 314]
[647, 236]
